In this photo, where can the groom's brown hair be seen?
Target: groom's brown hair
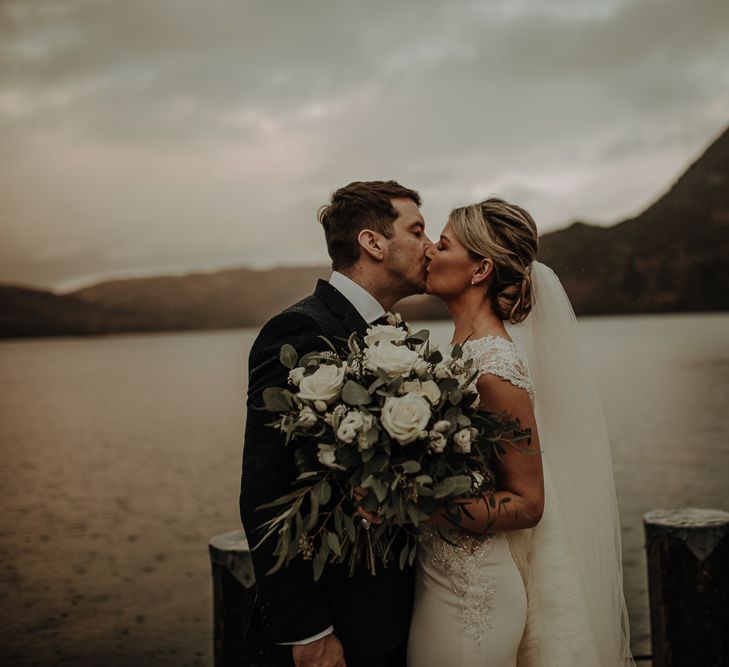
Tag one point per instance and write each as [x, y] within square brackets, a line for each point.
[357, 206]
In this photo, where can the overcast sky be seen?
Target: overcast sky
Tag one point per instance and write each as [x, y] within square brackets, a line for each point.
[163, 136]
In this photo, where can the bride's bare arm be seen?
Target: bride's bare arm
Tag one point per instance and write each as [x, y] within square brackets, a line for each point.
[518, 474]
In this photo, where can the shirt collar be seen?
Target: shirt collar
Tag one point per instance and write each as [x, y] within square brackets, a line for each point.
[365, 304]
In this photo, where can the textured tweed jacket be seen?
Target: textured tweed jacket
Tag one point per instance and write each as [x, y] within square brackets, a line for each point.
[370, 614]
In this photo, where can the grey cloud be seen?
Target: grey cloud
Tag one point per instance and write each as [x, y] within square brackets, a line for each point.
[192, 129]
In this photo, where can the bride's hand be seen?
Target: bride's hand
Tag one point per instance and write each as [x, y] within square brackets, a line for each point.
[373, 518]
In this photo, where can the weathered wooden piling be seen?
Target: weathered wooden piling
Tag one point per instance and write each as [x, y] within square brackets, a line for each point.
[688, 582]
[237, 636]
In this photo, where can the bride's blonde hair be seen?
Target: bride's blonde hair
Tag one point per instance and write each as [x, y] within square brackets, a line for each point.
[506, 234]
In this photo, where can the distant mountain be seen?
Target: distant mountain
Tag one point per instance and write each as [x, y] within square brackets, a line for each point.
[673, 257]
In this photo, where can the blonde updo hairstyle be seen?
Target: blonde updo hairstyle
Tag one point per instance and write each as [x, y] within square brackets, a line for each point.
[506, 234]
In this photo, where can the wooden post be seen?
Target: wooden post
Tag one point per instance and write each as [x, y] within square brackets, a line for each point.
[237, 636]
[688, 582]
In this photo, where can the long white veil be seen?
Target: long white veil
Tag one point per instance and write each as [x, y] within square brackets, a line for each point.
[580, 527]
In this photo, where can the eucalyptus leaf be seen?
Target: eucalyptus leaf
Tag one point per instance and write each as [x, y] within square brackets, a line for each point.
[418, 337]
[288, 356]
[318, 564]
[435, 357]
[410, 467]
[403, 556]
[334, 545]
[275, 399]
[324, 492]
[354, 393]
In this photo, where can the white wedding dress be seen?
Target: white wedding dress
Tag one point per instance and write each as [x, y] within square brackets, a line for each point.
[549, 596]
[470, 605]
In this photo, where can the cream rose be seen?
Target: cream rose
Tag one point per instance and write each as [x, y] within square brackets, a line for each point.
[427, 389]
[326, 456]
[405, 417]
[391, 358]
[381, 333]
[462, 441]
[324, 384]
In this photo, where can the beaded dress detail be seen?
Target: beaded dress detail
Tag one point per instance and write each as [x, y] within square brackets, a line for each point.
[471, 593]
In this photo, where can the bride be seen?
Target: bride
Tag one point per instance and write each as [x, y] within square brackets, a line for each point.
[537, 582]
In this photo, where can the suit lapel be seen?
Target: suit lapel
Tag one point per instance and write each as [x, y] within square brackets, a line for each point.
[341, 307]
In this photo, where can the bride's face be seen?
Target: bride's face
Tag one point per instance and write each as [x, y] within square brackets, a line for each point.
[450, 268]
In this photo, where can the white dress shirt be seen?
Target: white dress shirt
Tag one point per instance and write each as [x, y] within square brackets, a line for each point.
[367, 306]
[370, 309]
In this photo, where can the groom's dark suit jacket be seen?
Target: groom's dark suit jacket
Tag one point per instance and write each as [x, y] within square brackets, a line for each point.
[370, 614]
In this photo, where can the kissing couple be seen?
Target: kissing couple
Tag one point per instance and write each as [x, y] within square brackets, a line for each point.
[537, 584]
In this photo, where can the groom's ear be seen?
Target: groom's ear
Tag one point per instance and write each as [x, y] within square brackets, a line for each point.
[372, 243]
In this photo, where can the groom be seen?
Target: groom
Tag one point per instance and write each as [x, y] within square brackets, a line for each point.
[376, 240]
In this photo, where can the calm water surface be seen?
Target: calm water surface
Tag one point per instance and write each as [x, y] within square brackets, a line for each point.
[121, 458]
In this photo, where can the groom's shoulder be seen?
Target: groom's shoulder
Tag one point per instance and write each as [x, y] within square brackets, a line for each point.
[299, 319]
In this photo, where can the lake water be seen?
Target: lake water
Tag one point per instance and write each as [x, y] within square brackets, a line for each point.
[121, 458]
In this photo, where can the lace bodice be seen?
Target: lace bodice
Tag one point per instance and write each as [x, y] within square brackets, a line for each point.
[496, 355]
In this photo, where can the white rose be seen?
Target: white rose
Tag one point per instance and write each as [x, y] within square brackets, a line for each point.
[437, 442]
[427, 389]
[404, 418]
[349, 426]
[441, 426]
[384, 333]
[324, 384]
[462, 441]
[307, 417]
[296, 375]
[326, 456]
[391, 358]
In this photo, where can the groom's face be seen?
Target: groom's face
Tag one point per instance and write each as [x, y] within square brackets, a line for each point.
[406, 258]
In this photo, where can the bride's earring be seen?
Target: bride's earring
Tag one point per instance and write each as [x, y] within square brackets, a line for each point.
[473, 281]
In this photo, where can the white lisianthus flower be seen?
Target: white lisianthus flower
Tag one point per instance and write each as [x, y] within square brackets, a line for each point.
[324, 384]
[405, 417]
[441, 426]
[427, 389]
[421, 367]
[395, 319]
[437, 442]
[443, 367]
[391, 358]
[384, 333]
[307, 417]
[462, 441]
[296, 375]
[326, 456]
[368, 422]
[349, 426]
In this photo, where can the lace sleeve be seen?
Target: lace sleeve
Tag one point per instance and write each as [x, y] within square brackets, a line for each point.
[498, 356]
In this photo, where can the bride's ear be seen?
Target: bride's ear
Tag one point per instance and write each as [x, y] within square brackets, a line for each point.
[483, 272]
[371, 243]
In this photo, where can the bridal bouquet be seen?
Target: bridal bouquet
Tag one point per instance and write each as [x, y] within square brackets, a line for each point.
[389, 422]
